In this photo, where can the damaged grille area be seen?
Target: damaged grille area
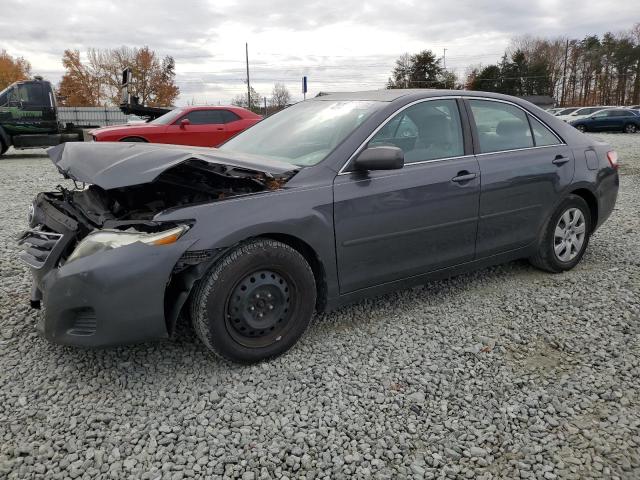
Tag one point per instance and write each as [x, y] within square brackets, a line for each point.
[189, 183]
[37, 245]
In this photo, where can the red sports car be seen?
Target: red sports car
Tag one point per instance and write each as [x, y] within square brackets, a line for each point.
[198, 126]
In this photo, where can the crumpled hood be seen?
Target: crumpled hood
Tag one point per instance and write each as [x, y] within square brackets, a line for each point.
[121, 164]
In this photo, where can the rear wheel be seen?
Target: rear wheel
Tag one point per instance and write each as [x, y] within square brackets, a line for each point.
[3, 148]
[254, 303]
[630, 128]
[566, 236]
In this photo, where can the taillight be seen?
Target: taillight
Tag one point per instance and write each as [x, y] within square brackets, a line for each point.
[612, 156]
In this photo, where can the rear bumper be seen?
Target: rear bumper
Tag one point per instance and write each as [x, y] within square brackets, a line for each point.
[607, 196]
[110, 298]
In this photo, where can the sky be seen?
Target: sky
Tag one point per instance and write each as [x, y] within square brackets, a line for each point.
[340, 45]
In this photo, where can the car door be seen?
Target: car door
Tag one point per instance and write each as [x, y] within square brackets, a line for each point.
[206, 128]
[603, 121]
[391, 225]
[525, 168]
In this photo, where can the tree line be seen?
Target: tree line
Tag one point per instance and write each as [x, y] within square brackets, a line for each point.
[589, 71]
[593, 70]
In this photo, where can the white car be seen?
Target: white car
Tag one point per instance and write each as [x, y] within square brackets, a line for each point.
[565, 111]
[582, 113]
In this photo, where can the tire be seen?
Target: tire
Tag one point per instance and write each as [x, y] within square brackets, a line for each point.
[3, 148]
[551, 256]
[134, 139]
[581, 128]
[254, 303]
[630, 128]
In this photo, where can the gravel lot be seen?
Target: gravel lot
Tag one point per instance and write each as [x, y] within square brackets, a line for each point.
[505, 373]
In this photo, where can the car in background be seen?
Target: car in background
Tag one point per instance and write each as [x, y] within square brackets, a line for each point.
[581, 113]
[197, 126]
[565, 111]
[609, 120]
[329, 201]
[553, 111]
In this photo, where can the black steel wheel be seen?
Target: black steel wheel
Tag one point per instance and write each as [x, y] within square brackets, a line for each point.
[259, 308]
[255, 302]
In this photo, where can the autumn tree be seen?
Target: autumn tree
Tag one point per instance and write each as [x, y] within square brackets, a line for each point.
[280, 97]
[12, 69]
[153, 78]
[80, 84]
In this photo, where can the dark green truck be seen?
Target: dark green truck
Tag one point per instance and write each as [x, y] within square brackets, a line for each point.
[29, 117]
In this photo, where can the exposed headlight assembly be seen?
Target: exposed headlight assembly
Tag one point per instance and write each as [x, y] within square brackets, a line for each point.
[104, 240]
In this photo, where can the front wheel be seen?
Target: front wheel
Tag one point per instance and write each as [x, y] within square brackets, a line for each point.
[566, 236]
[254, 303]
[630, 128]
[581, 128]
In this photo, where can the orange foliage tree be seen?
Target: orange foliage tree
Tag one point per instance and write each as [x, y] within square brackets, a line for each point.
[12, 69]
[153, 78]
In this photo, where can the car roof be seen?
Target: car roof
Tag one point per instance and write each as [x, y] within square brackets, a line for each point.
[389, 95]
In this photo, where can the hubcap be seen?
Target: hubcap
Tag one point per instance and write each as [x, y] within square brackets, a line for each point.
[259, 308]
[631, 128]
[569, 235]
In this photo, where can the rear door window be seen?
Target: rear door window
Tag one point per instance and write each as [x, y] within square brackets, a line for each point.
[228, 116]
[541, 134]
[500, 126]
[204, 117]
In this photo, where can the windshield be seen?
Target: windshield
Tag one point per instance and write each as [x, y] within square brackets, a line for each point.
[168, 117]
[305, 133]
[566, 111]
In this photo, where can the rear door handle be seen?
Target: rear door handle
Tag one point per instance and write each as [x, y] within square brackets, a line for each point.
[560, 160]
[463, 177]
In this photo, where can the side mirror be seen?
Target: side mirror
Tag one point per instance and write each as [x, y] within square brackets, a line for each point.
[184, 122]
[379, 158]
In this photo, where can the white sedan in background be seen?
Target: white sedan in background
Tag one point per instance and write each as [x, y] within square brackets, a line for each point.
[582, 113]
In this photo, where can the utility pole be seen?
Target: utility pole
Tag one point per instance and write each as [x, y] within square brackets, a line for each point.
[564, 72]
[265, 106]
[246, 46]
[444, 65]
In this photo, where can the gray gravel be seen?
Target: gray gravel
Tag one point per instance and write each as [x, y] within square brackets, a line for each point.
[504, 373]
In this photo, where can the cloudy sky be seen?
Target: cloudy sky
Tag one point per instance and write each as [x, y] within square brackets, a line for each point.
[338, 44]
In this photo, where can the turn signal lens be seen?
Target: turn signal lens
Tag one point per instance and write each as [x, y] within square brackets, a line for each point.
[168, 237]
[612, 156]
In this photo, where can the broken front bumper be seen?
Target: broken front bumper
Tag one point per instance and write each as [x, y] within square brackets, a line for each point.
[108, 298]
[112, 297]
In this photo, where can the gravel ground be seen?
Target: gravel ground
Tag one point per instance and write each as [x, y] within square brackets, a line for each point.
[505, 373]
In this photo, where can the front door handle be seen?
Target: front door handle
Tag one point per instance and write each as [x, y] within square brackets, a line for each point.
[464, 176]
[560, 160]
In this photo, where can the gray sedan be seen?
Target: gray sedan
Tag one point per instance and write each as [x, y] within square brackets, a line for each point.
[327, 202]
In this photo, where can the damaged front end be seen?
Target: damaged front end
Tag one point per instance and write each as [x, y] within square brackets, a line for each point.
[106, 271]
